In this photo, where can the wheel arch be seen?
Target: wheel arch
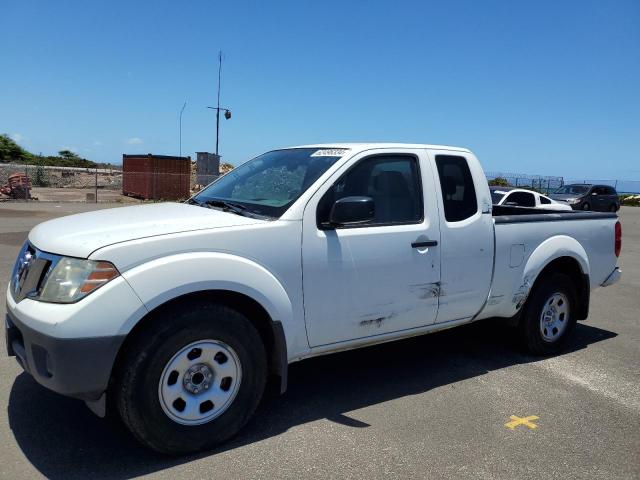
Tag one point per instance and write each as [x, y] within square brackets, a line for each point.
[271, 331]
[239, 282]
[559, 254]
[570, 267]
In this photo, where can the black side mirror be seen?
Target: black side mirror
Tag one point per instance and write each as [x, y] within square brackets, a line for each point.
[351, 211]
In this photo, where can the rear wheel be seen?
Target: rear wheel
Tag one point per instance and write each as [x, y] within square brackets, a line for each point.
[548, 316]
[193, 381]
[613, 208]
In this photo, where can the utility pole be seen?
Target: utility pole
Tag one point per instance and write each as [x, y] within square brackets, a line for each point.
[181, 110]
[227, 112]
[218, 108]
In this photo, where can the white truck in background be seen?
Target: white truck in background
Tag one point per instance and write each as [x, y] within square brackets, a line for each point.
[175, 314]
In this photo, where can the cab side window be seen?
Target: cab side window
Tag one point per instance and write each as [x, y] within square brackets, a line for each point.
[392, 181]
[458, 191]
[544, 200]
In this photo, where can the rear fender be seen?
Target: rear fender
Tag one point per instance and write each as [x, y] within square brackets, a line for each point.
[545, 253]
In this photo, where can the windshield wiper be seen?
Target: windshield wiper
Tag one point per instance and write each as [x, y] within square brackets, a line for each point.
[227, 206]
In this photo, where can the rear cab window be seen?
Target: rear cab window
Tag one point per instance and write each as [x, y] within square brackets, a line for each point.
[458, 190]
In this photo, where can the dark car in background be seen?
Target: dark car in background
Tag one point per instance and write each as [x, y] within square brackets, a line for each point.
[603, 198]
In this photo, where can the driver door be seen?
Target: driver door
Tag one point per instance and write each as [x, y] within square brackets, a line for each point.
[382, 276]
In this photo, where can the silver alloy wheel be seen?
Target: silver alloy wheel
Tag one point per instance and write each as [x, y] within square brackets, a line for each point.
[200, 382]
[554, 317]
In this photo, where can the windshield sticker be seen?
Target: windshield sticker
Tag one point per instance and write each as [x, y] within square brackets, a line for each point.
[330, 152]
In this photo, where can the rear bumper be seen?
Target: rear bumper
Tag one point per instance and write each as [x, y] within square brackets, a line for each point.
[614, 277]
[76, 367]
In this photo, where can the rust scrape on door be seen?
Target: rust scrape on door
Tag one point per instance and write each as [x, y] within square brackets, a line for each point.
[522, 293]
[428, 290]
[377, 321]
[373, 322]
[495, 299]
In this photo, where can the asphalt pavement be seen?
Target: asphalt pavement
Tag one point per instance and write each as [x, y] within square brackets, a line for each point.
[429, 407]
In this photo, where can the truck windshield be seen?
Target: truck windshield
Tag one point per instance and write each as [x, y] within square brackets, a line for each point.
[573, 189]
[269, 184]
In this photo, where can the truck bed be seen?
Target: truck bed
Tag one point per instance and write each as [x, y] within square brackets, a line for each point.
[511, 214]
[525, 238]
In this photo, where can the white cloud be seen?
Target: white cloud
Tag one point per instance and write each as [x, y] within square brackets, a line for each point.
[97, 143]
[16, 137]
[135, 141]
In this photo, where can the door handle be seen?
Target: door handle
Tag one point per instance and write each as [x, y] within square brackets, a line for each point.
[426, 243]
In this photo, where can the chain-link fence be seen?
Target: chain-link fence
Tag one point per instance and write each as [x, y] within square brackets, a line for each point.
[69, 184]
[536, 182]
[57, 183]
[549, 184]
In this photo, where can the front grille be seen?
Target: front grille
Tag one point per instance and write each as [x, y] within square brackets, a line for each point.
[30, 271]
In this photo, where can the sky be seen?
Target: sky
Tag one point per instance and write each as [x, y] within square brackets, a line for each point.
[544, 87]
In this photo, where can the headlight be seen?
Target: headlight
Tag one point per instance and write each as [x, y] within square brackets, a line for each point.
[72, 279]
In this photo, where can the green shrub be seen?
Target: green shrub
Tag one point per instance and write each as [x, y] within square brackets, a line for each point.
[499, 182]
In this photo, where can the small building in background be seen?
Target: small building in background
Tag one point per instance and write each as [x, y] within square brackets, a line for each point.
[207, 167]
[156, 177]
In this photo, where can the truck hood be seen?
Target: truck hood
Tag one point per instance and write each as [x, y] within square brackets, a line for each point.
[79, 235]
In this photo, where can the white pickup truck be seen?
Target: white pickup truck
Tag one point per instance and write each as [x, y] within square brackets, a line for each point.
[173, 315]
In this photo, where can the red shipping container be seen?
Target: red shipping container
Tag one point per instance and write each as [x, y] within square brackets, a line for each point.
[156, 177]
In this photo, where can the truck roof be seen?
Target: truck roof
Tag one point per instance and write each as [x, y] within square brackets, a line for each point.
[369, 146]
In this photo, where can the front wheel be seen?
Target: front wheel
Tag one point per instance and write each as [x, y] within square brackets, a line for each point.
[548, 316]
[586, 206]
[192, 380]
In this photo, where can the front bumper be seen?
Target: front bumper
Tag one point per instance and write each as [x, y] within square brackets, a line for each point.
[76, 367]
[614, 277]
[71, 348]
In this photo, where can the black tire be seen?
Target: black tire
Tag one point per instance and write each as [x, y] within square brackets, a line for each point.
[613, 208]
[530, 326]
[137, 385]
[586, 206]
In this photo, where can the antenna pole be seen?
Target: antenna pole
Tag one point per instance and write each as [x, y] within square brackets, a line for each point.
[181, 110]
[218, 109]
